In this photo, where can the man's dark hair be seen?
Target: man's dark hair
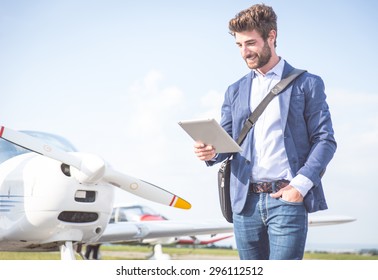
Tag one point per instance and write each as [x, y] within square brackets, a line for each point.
[259, 17]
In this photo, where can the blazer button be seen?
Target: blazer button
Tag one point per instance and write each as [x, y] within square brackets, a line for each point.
[247, 162]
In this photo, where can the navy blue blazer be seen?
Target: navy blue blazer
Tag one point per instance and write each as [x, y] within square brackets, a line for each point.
[308, 135]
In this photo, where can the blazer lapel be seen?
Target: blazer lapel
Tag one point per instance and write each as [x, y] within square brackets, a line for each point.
[245, 93]
[284, 97]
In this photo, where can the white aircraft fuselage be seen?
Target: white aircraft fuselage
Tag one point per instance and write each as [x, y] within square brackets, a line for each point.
[41, 206]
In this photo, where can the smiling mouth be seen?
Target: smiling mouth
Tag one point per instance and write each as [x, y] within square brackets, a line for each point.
[251, 58]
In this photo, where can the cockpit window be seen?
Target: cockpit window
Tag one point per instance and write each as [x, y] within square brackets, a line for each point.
[129, 214]
[9, 150]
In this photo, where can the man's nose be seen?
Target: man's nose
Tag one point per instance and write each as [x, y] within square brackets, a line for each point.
[244, 50]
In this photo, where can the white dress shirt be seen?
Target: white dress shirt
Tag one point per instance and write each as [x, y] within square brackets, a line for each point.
[269, 158]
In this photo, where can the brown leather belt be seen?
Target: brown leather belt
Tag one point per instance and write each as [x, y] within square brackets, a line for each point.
[268, 187]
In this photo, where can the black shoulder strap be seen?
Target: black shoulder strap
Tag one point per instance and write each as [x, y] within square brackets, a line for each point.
[276, 90]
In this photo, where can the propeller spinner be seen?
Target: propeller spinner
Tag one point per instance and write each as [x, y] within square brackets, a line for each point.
[91, 169]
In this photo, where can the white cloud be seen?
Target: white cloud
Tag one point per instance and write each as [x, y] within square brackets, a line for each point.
[150, 121]
[211, 105]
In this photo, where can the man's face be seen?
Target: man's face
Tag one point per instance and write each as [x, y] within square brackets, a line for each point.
[255, 51]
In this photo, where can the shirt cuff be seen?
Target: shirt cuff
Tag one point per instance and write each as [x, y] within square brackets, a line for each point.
[302, 184]
[212, 161]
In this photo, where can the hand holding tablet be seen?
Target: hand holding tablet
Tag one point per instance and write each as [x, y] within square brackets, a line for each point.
[209, 132]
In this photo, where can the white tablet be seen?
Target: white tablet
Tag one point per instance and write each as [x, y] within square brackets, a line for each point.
[210, 132]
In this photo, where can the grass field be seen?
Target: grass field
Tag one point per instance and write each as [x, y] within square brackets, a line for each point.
[126, 252]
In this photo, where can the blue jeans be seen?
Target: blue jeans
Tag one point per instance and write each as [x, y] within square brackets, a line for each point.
[270, 229]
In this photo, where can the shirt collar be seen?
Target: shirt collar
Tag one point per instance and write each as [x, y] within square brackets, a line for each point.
[276, 70]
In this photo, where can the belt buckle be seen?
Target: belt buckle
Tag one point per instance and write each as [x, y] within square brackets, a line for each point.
[262, 187]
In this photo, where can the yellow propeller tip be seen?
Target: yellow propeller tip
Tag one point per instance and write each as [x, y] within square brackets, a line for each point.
[181, 203]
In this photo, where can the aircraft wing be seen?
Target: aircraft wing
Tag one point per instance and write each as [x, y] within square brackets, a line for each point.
[136, 231]
[329, 220]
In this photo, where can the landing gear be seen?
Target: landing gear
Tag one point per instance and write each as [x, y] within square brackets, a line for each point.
[67, 251]
[157, 253]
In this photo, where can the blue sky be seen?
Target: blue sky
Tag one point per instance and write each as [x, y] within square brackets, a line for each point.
[115, 77]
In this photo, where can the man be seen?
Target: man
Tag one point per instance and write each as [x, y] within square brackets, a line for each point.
[276, 179]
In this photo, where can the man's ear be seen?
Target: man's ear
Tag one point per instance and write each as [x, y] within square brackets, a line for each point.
[272, 36]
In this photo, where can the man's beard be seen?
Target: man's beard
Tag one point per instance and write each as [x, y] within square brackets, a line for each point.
[261, 59]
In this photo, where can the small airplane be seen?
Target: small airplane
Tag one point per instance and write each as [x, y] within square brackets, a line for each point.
[54, 197]
[140, 213]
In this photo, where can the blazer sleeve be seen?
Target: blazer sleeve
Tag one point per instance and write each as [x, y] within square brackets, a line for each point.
[319, 130]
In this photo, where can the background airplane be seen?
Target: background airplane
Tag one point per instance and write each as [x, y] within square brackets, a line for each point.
[57, 197]
[140, 213]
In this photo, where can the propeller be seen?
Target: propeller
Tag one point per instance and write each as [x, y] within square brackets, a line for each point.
[91, 169]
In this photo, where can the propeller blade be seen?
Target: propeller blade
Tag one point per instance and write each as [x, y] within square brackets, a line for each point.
[144, 189]
[36, 145]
